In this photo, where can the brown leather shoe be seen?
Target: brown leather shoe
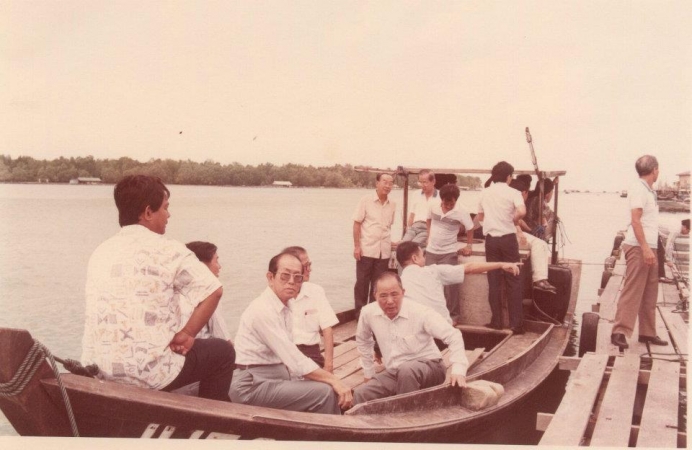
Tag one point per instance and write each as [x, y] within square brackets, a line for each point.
[653, 340]
[619, 340]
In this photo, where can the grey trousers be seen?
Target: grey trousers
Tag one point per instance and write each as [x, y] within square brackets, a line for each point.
[271, 386]
[417, 232]
[638, 296]
[409, 377]
[452, 290]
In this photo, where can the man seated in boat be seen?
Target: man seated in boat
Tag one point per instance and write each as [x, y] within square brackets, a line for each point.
[417, 230]
[425, 284]
[540, 252]
[541, 228]
[134, 329]
[405, 331]
[312, 315]
[672, 237]
[265, 352]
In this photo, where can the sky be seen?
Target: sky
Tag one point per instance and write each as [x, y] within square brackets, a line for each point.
[418, 84]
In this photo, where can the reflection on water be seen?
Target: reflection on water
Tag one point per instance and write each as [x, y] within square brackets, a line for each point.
[48, 232]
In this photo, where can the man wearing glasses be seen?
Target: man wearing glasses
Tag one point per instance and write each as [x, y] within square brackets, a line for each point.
[265, 352]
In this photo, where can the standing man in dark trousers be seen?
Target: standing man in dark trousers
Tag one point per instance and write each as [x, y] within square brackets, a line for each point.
[372, 241]
[501, 207]
[640, 289]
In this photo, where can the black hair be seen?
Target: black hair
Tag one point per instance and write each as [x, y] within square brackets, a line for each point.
[134, 193]
[274, 262]
[449, 192]
[382, 276]
[204, 251]
[405, 251]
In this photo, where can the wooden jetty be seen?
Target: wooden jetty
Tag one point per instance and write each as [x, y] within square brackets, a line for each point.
[627, 398]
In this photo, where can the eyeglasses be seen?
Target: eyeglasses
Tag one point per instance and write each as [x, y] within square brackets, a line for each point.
[285, 277]
[308, 265]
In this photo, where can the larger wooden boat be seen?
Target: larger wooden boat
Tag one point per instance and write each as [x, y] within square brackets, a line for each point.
[33, 401]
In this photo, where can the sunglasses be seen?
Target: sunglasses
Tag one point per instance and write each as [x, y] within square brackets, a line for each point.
[285, 277]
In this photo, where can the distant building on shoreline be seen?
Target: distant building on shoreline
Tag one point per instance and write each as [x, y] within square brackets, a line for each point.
[282, 184]
[86, 180]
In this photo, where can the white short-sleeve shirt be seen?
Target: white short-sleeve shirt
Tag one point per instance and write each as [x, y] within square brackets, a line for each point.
[641, 196]
[136, 281]
[376, 219]
[498, 203]
[444, 228]
[422, 204]
[311, 313]
[425, 285]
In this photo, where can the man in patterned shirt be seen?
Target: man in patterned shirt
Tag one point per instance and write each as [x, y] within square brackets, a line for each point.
[135, 282]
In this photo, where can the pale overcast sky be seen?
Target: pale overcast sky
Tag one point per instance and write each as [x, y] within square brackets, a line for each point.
[454, 84]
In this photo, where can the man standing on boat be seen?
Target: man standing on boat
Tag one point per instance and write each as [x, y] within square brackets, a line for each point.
[445, 220]
[405, 331]
[425, 284]
[372, 242]
[417, 219]
[640, 288]
[266, 355]
[134, 329]
[500, 209]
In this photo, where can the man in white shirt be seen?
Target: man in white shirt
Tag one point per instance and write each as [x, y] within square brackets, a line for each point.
[445, 221]
[136, 281]
[266, 355]
[425, 284]
[372, 241]
[417, 219]
[500, 209]
[405, 332]
[312, 315]
[640, 288]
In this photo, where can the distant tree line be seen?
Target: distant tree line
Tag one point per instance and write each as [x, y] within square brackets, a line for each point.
[25, 169]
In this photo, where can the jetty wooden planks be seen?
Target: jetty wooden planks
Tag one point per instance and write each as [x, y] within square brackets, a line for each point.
[572, 416]
[659, 427]
[614, 423]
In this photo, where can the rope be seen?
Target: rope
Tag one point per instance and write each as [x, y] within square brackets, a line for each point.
[26, 372]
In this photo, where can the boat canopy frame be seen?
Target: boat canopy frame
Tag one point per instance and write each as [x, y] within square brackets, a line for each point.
[404, 172]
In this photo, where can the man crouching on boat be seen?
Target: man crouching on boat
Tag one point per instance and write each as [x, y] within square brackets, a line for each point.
[134, 329]
[265, 352]
[405, 332]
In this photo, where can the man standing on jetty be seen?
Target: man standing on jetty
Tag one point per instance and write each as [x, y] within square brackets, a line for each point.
[372, 241]
[134, 329]
[640, 289]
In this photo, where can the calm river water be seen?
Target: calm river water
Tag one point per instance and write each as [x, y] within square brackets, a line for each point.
[48, 232]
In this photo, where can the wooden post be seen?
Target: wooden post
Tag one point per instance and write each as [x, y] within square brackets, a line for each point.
[555, 192]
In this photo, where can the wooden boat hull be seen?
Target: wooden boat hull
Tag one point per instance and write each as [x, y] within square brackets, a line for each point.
[106, 409]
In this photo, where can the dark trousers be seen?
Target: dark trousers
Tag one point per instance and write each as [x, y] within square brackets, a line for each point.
[661, 256]
[211, 362]
[504, 249]
[312, 352]
[367, 270]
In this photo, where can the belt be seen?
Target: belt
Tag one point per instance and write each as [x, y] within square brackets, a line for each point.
[252, 366]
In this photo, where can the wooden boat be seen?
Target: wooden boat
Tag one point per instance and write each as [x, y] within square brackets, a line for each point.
[107, 409]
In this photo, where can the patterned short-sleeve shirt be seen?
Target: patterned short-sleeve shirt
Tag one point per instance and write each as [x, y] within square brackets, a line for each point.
[136, 281]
